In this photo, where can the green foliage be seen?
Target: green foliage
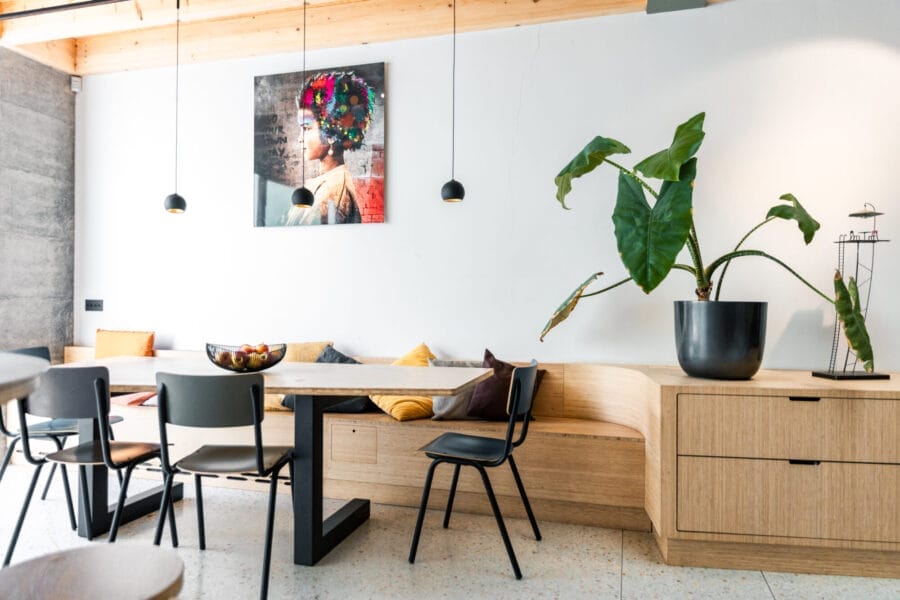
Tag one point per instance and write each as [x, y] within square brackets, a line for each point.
[846, 301]
[650, 237]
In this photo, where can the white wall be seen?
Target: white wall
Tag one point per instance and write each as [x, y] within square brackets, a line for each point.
[800, 96]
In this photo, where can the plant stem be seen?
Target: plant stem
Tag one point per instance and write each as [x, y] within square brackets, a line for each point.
[738, 253]
[743, 239]
[634, 176]
[703, 286]
[606, 289]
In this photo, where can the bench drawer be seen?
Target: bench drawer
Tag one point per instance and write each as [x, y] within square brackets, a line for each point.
[828, 429]
[839, 501]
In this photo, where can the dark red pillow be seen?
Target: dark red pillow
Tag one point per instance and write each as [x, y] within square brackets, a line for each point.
[491, 395]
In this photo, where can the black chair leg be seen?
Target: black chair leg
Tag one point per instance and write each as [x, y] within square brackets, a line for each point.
[163, 509]
[15, 536]
[270, 524]
[534, 525]
[200, 527]
[496, 508]
[291, 473]
[173, 529]
[421, 518]
[117, 517]
[85, 501]
[68, 492]
[451, 496]
[9, 452]
[49, 481]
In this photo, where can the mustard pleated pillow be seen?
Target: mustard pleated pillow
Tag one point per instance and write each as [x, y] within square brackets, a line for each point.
[109, 342]
[407, 408]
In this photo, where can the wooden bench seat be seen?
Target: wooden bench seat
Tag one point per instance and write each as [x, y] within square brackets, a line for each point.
[577, 464]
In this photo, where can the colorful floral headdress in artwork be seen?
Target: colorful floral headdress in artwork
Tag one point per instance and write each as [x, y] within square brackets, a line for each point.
[341, 103]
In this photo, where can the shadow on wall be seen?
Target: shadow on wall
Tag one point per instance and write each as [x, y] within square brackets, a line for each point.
[805, 342]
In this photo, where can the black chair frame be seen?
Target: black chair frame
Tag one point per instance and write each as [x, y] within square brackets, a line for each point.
[170, 470]
[515, 400]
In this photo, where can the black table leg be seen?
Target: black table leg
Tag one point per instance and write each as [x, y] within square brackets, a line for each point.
[136, 505]
[313, 537]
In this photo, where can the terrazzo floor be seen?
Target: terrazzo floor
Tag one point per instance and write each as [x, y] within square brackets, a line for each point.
[467, 561]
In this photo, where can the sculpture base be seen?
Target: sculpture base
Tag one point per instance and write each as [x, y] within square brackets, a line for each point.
[849, 375]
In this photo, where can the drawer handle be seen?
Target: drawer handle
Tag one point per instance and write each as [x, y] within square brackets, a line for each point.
[803, 399]
[804, 462]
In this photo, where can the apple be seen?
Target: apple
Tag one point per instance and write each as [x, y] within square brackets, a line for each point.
[239, 359]
[255, 361]
[247, 348]
[223, 358]
[262, 348]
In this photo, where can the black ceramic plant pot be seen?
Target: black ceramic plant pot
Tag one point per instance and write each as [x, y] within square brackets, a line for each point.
[720, 340]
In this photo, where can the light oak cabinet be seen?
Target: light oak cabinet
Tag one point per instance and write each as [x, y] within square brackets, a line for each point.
[804, 469]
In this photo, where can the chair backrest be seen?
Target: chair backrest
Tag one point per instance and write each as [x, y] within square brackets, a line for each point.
[68, 393]
[210, 400]
[519, 403]
[36, 351]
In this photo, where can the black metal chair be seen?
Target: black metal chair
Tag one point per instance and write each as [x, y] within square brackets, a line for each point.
[54, 430]
[218, 401]
[482, 453]
[78, 393]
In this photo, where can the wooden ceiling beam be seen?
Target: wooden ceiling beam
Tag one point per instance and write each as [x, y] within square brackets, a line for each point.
[140, 34]
[59, 54]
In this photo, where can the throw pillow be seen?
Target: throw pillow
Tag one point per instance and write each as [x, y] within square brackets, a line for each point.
[123, 343]
[295, 352]
[405, 408]
[452, 407]
[490, 397]
[350, 404]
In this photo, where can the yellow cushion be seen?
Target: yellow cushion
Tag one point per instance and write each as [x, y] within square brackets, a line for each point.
[295, 352]
[406, 408]
[305, 351]
[123, 343]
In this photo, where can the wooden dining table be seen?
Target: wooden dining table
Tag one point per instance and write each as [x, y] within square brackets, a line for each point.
[322, 384]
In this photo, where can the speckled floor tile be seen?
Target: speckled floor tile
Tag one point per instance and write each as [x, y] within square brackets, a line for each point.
[465, 562]
[786, 586]
[645, 576]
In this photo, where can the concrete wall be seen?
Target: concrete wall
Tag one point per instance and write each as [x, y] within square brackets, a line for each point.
[800, 97]
[37, 212]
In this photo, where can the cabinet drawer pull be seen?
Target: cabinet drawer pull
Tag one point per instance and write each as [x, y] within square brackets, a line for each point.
[804, 462]
[803, 399]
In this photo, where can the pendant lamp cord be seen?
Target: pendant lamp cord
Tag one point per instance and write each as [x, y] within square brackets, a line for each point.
[302, 117]
[177, 60]
[453, 101]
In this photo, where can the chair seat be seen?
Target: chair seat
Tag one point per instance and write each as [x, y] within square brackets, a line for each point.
[466, 447]
[231, 459]
[62, 426]
[90, 453]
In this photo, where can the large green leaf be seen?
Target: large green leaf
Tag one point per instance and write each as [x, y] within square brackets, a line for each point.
[568, 305]
[795, 211]
[649, 239]
[666, 164]
[846, 301]
[591, 157]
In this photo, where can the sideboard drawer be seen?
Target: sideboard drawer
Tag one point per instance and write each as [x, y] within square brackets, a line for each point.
[835, 429]
[840, 501]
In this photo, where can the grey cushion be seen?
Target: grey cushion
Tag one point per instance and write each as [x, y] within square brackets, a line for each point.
[452, 407]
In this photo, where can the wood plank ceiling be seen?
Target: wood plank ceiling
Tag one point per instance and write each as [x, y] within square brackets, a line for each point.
[137, 34]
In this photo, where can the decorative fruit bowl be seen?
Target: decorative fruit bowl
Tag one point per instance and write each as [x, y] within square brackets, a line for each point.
[245, 358]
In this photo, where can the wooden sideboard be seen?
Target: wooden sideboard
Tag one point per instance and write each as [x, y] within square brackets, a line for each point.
[783, 472]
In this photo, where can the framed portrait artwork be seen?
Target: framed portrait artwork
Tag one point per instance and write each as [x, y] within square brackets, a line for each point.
[324, 131]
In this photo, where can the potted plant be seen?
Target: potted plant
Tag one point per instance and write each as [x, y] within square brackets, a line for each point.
[714, 338]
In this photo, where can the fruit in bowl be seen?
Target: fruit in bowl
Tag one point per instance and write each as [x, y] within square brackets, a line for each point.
[245, 358]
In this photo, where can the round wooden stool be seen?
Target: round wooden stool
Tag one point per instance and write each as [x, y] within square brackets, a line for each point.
[121, 571]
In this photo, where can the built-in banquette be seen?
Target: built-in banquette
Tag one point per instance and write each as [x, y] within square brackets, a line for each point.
[782, 472]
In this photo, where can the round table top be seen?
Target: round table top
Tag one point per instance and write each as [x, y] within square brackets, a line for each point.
[121, 571]
[19, 374]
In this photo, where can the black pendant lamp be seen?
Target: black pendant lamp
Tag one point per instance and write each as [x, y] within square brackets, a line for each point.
[175, 203]
[453, 191]
[302, 196]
